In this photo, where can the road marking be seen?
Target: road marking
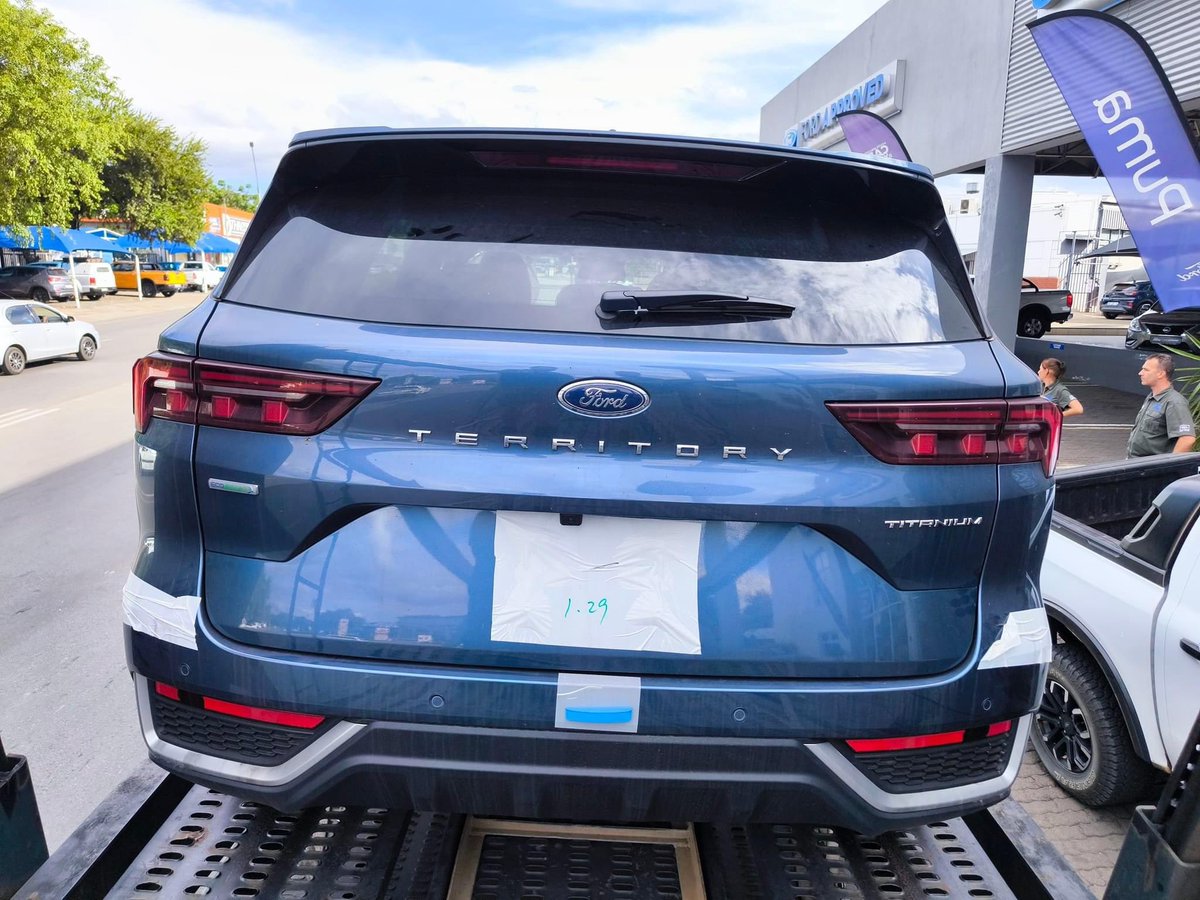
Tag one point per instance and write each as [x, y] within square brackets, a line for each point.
[17, 416]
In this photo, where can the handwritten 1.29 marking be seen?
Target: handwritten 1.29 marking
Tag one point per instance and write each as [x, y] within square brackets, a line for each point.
[592, 608]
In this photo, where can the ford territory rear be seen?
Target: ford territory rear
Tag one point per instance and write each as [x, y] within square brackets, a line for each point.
[616, 477]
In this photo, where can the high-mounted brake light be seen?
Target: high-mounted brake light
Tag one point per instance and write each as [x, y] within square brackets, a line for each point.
[249, 398]
[649, 165]
[956, 433]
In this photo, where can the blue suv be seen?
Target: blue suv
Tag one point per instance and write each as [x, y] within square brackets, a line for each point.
[585, 475]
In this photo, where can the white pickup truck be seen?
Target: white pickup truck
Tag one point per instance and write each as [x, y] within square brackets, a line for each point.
[1121, 585]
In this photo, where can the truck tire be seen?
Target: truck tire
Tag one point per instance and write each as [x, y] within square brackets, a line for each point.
[1080, 737]
[148, 288]
[1032, 323]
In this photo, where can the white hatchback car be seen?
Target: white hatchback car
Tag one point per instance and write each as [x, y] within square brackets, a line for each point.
[33, 331]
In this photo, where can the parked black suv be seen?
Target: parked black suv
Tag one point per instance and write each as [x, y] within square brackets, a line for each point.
[1129, 299]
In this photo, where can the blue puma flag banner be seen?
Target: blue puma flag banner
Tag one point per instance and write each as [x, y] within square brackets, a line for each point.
[1120, 96]
[868, 133]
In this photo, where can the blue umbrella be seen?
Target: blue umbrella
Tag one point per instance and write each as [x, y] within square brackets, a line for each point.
[137, 242]
[52, 237]
[215, 243]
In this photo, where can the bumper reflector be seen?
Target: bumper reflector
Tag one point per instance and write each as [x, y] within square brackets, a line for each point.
[241, 711]
[925, 741]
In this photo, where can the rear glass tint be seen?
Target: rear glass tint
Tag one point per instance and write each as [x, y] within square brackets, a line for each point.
[536, 252]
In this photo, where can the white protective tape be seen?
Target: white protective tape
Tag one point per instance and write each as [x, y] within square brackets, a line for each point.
[146, 609]
[607, 584]
[1024, 641]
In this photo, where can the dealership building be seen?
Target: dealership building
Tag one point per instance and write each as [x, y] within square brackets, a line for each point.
[963, 84]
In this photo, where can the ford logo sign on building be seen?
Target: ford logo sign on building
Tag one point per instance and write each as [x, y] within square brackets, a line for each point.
[603, 399]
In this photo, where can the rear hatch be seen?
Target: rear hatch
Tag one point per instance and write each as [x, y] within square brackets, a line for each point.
[481, 467]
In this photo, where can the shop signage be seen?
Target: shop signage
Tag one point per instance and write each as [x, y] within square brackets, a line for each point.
[881, 93]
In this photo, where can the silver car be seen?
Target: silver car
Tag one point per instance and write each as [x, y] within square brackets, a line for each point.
[36, 283]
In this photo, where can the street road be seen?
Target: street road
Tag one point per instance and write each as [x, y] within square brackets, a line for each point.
[68, 531]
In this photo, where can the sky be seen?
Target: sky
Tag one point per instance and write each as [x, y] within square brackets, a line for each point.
[232, 72]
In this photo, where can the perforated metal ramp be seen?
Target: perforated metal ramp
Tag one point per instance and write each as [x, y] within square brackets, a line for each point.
[218, 847]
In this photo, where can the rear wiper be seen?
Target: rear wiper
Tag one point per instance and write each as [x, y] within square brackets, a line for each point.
[633, 304]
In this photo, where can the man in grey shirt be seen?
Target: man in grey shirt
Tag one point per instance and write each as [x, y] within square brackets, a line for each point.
[1164, 423]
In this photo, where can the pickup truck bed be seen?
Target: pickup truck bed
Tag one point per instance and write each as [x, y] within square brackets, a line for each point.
[1112, 497]
[1120, 582]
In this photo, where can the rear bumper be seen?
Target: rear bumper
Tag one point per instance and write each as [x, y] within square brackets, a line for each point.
[556, 774]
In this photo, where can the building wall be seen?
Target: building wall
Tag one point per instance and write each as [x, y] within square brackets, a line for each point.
[954, 74]
[1035, 114]
[974, 83]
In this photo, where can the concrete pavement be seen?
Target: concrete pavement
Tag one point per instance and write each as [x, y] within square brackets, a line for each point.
[126, 304]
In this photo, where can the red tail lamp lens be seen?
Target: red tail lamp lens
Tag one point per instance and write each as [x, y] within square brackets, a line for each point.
[956, 433]
[251, 398]
[163, 389]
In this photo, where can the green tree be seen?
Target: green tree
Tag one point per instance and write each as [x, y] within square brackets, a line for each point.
[157, 184]
[239, 197]
[58, 119]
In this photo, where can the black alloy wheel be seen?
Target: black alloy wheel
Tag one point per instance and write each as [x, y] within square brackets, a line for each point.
[39, 294]
[1032, 324]
[1063, 729]
[1080, 737]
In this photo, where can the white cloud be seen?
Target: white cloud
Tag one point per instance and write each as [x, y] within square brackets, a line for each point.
[235, 77]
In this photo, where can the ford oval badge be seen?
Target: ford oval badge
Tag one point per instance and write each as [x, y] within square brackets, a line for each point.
[603, 399]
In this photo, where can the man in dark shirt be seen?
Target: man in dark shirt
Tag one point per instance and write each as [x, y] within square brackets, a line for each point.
[1164, 423]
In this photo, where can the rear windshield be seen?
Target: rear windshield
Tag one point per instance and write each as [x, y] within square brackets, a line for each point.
[537, 253]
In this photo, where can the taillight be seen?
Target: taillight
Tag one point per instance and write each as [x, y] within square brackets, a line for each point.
[163, 389]
[956, 433]
[1070, 300]
[249, 398]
